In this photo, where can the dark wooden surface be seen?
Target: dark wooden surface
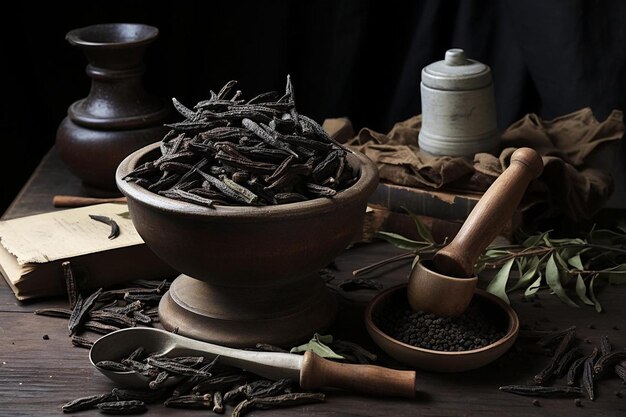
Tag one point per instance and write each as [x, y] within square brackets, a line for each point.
[38, 376]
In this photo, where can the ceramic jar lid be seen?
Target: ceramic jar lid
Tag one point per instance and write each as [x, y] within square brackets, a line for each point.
[456, 72]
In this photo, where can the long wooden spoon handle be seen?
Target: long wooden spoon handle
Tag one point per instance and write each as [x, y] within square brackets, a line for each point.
[318, 372]
[77, 201]
[486, 220]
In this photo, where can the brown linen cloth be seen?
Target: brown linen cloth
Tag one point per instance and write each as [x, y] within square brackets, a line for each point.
[578, 155]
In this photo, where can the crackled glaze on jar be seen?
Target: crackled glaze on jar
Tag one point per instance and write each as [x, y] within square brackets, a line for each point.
[458, 107]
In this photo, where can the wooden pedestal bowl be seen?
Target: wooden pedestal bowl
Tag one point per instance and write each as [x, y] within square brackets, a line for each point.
[249, 274]
[440, 361]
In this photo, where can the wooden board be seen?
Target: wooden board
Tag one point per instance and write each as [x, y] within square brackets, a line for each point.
[38, 376]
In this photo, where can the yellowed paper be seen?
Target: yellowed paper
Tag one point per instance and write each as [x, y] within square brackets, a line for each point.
[66, 234]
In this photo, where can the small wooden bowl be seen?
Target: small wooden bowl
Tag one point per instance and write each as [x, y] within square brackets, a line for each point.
[440, 361]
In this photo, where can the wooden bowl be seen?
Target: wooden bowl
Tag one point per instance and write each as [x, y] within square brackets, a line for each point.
[441, 361]
[251, 273]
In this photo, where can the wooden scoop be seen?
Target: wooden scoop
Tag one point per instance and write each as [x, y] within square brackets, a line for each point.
[446, 286]
[312, 371]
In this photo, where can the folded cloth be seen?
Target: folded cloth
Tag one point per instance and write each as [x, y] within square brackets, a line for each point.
[578, 153]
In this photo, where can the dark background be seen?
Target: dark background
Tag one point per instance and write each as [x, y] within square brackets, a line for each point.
[359, 59]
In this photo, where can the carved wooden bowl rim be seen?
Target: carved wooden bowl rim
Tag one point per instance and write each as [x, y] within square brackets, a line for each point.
[365, 185]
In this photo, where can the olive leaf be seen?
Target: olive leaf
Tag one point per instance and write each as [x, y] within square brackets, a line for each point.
[319, 345]
[553, 279]
[576, 262]
[534, 287]
[522, 264]
[567, 253]
[564, 272]
[489, 256]
[400, 241]
[530, 270]
[560, 262]
[581, 291]
[423, 231]
[497, 286]
[546, 240]
[534, 240]
[575, 241]
[494, 253]
[592, 294]
[124, 215]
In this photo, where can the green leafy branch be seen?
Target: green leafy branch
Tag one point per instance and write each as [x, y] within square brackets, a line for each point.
[558, 264]
[564, 266]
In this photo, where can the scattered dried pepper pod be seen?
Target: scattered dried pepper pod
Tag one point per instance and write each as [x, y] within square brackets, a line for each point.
[112, 366]
[70, 283]
[147, 396]
[115, 228]
[85, 403]
[548, 372]
[189, 401]
[607, 360]
[540, 391]
[588, 380]
[218, 404]
[122, 407]
[285, 400]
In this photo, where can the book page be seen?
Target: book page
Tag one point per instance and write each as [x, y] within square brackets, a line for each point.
[65, 234]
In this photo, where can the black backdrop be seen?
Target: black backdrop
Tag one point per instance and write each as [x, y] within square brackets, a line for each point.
[360, 59]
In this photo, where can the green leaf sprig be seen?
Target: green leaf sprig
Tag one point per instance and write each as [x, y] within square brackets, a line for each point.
[562, 265]
[565, 266]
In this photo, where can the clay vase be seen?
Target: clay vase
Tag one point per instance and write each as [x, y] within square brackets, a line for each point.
[118, 116]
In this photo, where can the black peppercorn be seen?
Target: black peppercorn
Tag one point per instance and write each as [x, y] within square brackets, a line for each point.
[474, 329]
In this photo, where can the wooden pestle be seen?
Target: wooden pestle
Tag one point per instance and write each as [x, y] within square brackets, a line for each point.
[448, 286]
[489, 216]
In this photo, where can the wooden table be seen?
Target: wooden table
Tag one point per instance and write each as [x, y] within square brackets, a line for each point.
[38, 374]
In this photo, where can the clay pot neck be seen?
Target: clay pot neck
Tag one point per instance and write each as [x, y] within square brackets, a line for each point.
[113, 45]
[117, 99]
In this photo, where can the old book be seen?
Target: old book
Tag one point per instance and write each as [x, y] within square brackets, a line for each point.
[380, 219]
[33, 248]
[443, 205]
[431, 203]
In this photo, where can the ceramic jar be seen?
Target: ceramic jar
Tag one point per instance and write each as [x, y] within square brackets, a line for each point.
[458, 107]
[118, 116]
